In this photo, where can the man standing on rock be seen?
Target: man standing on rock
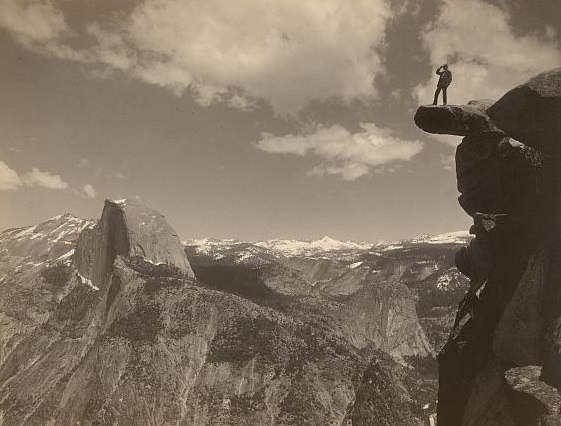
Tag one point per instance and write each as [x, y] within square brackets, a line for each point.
[443, 82]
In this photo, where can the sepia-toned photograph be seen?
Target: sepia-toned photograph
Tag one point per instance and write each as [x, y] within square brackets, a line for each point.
[280, 212]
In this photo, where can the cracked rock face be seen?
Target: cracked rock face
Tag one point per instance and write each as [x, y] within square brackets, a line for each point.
[129, 229]
[500, 365]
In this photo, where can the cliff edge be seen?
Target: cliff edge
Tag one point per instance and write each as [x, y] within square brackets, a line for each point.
[501, 364]
[134, 231]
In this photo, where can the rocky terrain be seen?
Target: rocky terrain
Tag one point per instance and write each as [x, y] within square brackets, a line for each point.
[404, 278]
[116, 322]
[501, 363]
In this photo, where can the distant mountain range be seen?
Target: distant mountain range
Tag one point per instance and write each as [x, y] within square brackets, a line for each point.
[291, 247]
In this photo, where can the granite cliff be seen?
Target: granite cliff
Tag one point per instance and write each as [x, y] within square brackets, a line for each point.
[501, 363]
[131, 230]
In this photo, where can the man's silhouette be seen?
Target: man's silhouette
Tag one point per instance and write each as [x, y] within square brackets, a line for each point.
[443, 82]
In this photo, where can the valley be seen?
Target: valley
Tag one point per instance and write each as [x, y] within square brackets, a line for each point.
[103, 322]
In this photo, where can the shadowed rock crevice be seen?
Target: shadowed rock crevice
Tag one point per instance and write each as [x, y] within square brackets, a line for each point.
[500, 365]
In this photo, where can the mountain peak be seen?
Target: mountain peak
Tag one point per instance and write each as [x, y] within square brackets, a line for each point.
[54, 236]
[132, 230]
[298, 247]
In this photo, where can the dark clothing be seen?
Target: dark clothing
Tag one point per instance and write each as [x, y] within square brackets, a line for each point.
[445, 77]
[444, 96]
[443, 83]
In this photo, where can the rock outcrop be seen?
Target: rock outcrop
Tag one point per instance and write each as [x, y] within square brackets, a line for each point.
[500, 365]
[129, 229]
[460, 120]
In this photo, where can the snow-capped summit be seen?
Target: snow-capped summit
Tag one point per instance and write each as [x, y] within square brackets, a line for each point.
[292, 248]
[456, 237]
[421, 238]
[53, 240]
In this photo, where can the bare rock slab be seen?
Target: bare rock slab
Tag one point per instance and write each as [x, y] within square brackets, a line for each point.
[460, 120]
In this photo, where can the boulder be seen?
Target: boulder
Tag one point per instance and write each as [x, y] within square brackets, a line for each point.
[531, 112]
[496, 175]
[460, 120]
[134, 231]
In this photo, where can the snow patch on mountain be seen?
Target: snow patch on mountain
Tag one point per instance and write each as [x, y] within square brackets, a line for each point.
[208, 246]
[326, 245]
[53, 237]
[297, 247]
[448, 280]
[457, 237]
[66, 255]
[289, 248]
[391, 247]
[87, 282]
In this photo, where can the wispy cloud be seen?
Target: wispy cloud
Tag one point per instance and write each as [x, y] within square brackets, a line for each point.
[286, 53]
[89, 191]
[448, 162]
[120, 175]
[486, 57]
[43, 179]
[350, 155]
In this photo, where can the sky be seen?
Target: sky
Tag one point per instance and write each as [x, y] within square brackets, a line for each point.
[252, 119]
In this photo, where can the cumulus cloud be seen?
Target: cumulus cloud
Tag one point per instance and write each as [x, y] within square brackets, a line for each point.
[350, 155]
[9, 179]
[32, 22]
[39, 26]
[43, 179]
[286, 53]
[484, 54]
[89, 190]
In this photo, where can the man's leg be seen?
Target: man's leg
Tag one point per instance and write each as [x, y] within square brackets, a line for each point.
[444, 96]
[436, 95]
